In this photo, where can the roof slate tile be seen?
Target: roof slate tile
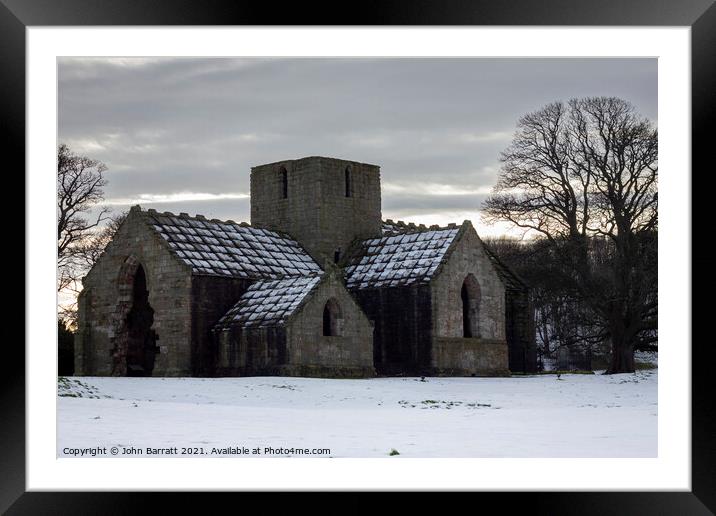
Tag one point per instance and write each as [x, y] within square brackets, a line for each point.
[268, 302]
[398, 259]
[230, 249]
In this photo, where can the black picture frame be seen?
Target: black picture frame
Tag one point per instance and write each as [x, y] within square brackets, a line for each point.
[700, 15]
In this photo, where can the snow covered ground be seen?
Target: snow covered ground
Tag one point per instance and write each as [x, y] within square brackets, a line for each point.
[575, 415]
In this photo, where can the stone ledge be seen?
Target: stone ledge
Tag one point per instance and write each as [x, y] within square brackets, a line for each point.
[307, 371]
[460, 356]
[466, 372]
[470, 341]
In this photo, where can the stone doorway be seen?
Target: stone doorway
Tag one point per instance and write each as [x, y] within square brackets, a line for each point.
[134, 341]
[141, 340]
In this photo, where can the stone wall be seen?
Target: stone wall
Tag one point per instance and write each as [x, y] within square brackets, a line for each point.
[106, 300]
[458, 356]
[310, 353]
[316, 211]
[251, 352]
[299, 348]
[519, 323]
[212, 297]
[468, 257]
[403, 327]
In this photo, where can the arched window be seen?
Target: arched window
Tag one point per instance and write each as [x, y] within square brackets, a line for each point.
[284, 183]
[332, 319]
[349, 189]
[470, 294]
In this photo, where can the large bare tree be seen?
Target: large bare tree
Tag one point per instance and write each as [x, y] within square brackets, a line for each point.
[81, 238]
[581, 171]
[80, 184]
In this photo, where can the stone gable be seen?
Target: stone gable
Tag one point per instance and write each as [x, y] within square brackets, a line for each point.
[106, 300]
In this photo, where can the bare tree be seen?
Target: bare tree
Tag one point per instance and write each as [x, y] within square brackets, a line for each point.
[590, 168]
[80, 239]
[85, 255]
[80, 184]
[562, 318]
[90, 248]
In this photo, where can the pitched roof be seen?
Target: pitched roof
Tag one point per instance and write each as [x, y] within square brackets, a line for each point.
[357, 277]
[222, 248]
[269, 302]
[398, 259]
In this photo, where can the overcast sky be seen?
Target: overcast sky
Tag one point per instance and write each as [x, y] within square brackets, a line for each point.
[181, 134]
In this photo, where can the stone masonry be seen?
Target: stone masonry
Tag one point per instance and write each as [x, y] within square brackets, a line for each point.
[319, 210]
[316, 285]
[485, 352]
[105, 301]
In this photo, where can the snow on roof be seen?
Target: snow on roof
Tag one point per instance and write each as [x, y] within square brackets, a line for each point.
[511, 280]
[221, 248]
[268, 302]
[399, 259]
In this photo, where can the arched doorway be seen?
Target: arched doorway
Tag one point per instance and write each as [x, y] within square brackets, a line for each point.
[134, 342]
[141, 340]
[332, 319]
[141, 345]
[470, 295]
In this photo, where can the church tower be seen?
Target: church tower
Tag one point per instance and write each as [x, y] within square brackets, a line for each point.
[324, 203]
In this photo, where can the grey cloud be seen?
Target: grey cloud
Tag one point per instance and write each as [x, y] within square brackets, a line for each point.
[426, 203]
[224, 209]
[166, 125]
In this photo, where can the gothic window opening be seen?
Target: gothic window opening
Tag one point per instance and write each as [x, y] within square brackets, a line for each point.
[349, 189]
[470, 295]
[332, 319]
[336, 256]
[284, 183]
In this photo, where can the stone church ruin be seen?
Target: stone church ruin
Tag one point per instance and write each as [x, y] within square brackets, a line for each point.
[317, 285]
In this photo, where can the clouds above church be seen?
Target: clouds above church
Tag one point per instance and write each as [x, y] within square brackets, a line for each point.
[181, 134]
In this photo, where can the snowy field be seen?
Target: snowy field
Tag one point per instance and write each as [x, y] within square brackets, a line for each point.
[573, 415]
